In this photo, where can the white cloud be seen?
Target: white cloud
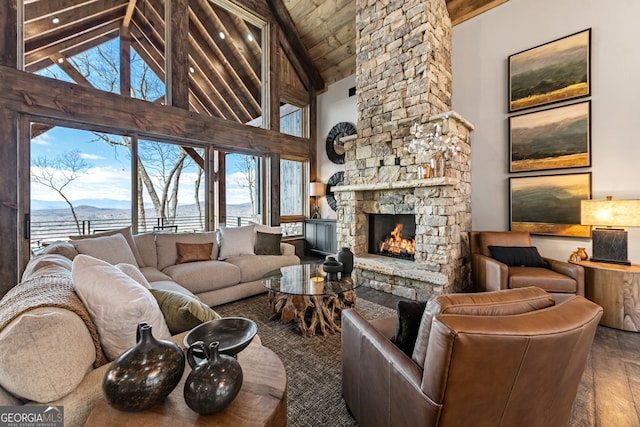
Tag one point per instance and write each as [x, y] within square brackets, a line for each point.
[43, 139]
[89, 156]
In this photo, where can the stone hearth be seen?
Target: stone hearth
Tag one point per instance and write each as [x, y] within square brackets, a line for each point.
[403, 69]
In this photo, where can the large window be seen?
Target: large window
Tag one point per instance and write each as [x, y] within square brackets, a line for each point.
[80, 182]
[292, 196]
[244, 189]
[171, 187]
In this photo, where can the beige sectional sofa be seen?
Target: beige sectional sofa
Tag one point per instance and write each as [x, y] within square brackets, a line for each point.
[51, 352]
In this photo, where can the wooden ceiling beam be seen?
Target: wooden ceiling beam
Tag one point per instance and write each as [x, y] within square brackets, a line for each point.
[290, 32]
[129, 13]
[39, 96]
[462, 10]
[70, 70]
[212, 90]
[147, 51]
[50, 8]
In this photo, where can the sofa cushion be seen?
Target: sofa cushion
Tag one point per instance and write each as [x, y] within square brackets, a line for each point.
[39, 263]
[182, 312]
[236, 241]
[116, 304]
[522, 277]
[408, 324]
[204, 276]
[254, 267]
[267, 243]
[191, 252]
[112, 249]
[168, 252]
[497, 303]
[45, 354]
[152, 274]
[125, 232]
[518, 256]
[135, 273]
[146, 245]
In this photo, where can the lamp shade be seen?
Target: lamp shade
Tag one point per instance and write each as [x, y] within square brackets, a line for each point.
[611, 213]
[316, 189]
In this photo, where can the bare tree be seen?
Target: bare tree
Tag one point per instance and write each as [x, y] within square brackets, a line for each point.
[247, 166]
[58, 173]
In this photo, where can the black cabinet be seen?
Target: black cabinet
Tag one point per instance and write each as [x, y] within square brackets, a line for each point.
[320, 236]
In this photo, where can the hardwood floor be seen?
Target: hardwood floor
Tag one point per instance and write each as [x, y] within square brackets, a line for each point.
[609, 393]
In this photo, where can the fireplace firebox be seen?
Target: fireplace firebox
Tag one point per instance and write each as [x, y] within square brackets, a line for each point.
[392, 235]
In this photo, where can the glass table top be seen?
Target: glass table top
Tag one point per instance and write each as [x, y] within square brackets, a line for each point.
[307, 279]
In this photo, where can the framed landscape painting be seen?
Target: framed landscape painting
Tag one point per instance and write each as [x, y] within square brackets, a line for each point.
[551, 139]
[552, 72]
[549, 204]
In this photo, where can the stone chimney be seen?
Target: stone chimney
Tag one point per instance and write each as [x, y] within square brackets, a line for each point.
[403, 76]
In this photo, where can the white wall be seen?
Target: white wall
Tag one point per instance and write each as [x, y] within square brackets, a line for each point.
[480, 50]
[334, 106]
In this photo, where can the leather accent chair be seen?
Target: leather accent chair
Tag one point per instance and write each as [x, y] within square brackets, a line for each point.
[561, 279]
[503, 358]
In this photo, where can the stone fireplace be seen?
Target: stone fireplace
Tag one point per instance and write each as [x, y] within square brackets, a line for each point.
[403, 69]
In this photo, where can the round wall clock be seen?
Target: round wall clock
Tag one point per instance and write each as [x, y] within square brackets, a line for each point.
[335, 179]
[335, 147]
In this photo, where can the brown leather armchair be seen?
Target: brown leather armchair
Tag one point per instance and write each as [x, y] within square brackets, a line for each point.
[561, 279]
[502, 358]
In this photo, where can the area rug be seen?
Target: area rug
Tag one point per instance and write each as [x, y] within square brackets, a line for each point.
[313, 364]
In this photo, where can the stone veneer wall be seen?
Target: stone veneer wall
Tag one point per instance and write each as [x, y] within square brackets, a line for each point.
[403, 76]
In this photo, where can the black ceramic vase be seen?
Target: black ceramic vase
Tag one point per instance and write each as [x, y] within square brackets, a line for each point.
[214, 381]
[332, 268]
[345, 256]
[144, 375]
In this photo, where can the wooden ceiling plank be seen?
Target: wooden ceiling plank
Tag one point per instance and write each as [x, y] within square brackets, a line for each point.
[212, 88]
[39, 59]
[148, 52]
[201, 38]
[227, 46]
[71, 19]
[462, 10]
[206, 67]
[51, 8]
[296, 46]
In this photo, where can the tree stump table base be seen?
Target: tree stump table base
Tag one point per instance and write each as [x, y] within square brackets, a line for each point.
[311, 312]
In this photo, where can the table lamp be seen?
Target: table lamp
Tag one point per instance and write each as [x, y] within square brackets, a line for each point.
[316, 189]
[610, 243]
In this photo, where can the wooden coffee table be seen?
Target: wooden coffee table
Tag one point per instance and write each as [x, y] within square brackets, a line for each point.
[262, 400]
[300, 293]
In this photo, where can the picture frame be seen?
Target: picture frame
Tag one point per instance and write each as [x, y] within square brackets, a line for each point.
[549, 204]
[555, 138]
[552, 72]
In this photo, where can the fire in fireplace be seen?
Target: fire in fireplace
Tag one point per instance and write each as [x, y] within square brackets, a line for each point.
[392, 235]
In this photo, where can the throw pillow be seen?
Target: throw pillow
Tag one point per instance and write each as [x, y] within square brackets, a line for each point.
[112, 249]
[135, 273]
[264, 229]
[409, 317]
[116, 304]
[518, 256]
[168, 251]
[268, 243]
[182, 312]
[126, 233]
[236, 241]
[190, 252]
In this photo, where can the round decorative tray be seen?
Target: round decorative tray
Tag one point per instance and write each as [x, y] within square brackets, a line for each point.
[233, 333]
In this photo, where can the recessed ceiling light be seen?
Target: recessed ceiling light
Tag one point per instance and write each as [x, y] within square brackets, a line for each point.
[222, 36]
[192, 70]
[60, 60]
[250, 37]
[55, 20]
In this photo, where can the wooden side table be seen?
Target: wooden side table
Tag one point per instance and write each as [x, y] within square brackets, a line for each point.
[617, 289]
[262, 400]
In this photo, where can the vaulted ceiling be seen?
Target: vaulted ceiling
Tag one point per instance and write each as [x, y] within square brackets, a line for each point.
[225, 71]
